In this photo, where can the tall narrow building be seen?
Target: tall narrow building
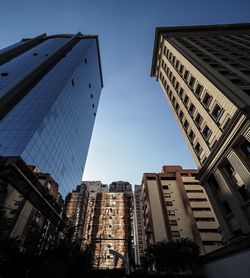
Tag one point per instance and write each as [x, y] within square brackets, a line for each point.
[109, 225]
[176, 206]
[204, 72]
[75, 212]
[139, 232]
[49, 93]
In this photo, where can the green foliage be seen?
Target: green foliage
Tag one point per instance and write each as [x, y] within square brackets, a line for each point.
[173, 257]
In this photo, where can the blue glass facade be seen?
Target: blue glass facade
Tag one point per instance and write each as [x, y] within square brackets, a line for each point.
[51, 126]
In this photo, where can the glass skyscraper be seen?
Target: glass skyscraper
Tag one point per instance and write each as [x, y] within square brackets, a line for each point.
[49, 92]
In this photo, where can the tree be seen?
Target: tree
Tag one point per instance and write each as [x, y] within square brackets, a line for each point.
[174, 256]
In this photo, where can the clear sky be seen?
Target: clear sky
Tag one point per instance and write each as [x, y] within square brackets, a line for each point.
[135, 130]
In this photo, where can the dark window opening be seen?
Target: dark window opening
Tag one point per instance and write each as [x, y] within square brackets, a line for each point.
[191, 109]
[85, 60]
[93, 105]
[191, 136]
[186, 75]
[4, 74]
[198, 148]
[186, 125]
[173, 222]
[164, 186]
[89, 85]
[213, 182]
[217, 111]
[73, 82]
[181, 115]
[94, 114]
[206, 132]
[175, 233]
[35, 54]
[198, 119]
[207, 99]
[191, 82]
[91, 96]
[201, 209]
[151, 178]
[186, 100]
[245, 194]
[229, 169]
[226, 207]
[169, 203]
[198, 90]
[245, 148]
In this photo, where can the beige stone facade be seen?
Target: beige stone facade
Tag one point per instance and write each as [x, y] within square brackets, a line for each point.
[177, 206]
[204, 72]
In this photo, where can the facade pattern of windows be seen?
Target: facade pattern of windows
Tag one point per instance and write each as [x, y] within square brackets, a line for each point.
[52, 125]
[172, 67]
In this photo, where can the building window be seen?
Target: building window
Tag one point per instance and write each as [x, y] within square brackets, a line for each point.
[226, 208]
[198, 90]
[73, 82]
[85, 60]
[204, 219]
[201, 209]
[171, 212]
[197, 199]
[35, 54]
[191, 82]
[186, 100]
[175, 233]
[208, 230]
[206, 132]
[169, 203]
[91, 96]
[93, 105]
[173, 222]
[89, 85]
[181, 92]
[207, 100]
[191, 135]
[194, 190]
[198, 148]
[4, 74]
[151, 178]
[217, 112]
[186, 125]
[245, 149]
[198, 120]
[181, 69]
[167, 195]
[229, 169]
[181, 115]
[186, 75]
[165, 187]
[191, 109]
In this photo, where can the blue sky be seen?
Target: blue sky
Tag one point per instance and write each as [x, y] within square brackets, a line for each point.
[135, 131]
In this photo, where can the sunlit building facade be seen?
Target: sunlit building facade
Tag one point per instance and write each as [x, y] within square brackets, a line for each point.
[204, 73]
[177, 206]
[109, 226]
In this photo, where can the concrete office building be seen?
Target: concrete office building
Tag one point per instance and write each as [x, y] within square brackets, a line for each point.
[139, 232]
[204, 72]
[176, 206]
[50, 88]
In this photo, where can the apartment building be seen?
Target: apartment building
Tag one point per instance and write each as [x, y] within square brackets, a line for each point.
[177, 206]
[204, 71]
